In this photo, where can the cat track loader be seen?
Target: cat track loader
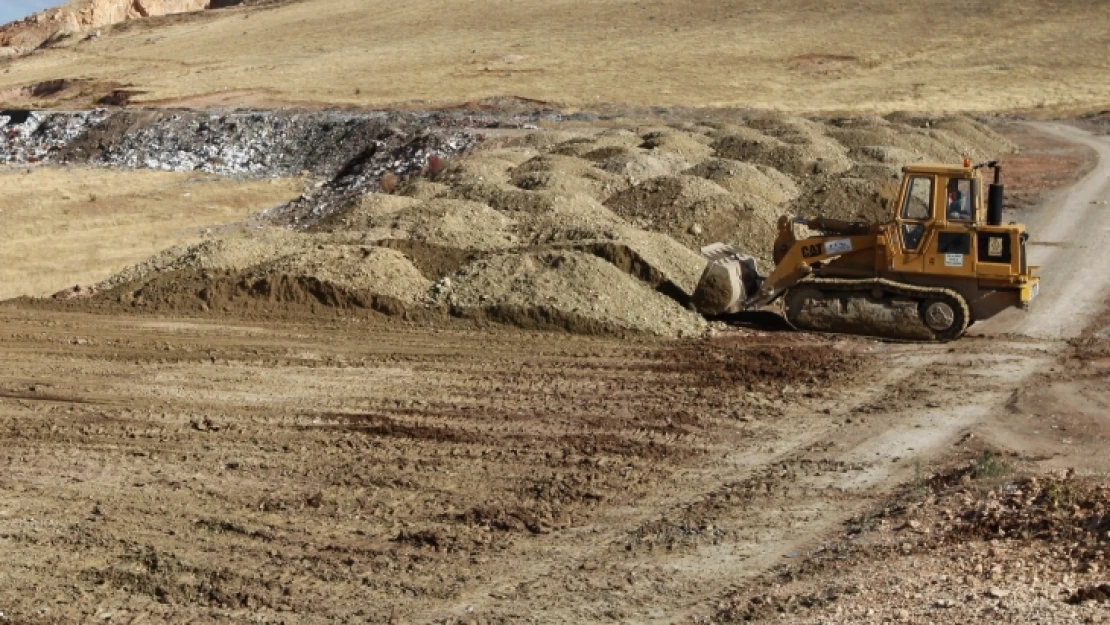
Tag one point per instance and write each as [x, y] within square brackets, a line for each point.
[943, 262]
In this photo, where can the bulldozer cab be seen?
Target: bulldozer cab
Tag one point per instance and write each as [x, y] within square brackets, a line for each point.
[940, 210]
[945, 229]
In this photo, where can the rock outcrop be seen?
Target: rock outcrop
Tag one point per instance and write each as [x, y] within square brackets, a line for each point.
[85, 16]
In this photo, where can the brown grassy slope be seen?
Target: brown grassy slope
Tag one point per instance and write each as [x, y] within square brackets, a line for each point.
[64, 227]
[802, 55]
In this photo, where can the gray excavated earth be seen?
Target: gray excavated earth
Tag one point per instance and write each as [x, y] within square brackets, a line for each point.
[533, 219]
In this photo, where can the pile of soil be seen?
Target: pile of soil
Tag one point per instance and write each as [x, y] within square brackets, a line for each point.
[370, 209]
[567, 175]
[853, 199]
[234, 252]
[653, 263]
[691, 146]
[799, 148]
[696, 212]
[583, 145]
[637, 165]
[378, 271]
[569, 290]
[915, 139]
[272, 267]
[747, 180]
[590, 229]
[448, 223]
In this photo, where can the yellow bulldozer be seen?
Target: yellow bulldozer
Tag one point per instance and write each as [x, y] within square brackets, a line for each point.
[944, 261]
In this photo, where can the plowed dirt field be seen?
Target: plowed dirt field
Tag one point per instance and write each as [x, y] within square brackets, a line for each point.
[183, 469]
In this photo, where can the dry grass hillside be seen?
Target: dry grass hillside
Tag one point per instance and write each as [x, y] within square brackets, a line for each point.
[798, 55]
[63, 227]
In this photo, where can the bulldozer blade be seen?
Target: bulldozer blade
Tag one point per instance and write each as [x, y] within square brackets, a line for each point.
[729, 279]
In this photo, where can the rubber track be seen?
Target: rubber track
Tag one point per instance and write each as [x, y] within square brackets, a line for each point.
[919, 293]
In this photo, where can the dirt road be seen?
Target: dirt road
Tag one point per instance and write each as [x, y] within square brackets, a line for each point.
[361, 470]
[1031, 386]
[1070, 243]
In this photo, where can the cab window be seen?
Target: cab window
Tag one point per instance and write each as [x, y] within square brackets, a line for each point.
[958, 200]
[919, 197]
[911, 235]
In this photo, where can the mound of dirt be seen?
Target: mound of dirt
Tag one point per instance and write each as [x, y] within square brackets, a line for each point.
[231, 253]
[747, 180]
[569, 290]
[540, 141]
[656, 259]
[328, 276]
[371, 209]
[514, 156]
[638, 165]
[901, 144]
[423, 189]
[665, 194]
[853, 199]
[567, 175]
[433, 261]
[581, 223]
[962, 134]
[691, 146]
[581, 146]
[696, 212]
[446, 222]
[376, 271]
[796, 159]
[483, 166]
[506, 198]
[894, 158]
[812, 144]
[567, 218]
[905, 144]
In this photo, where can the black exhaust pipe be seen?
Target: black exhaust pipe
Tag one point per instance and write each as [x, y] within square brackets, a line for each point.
[994, 197]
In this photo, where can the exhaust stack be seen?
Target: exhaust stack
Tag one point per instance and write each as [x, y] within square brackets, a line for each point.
[995, 196]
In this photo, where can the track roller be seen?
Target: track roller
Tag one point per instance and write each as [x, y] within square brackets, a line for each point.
[877, 307]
